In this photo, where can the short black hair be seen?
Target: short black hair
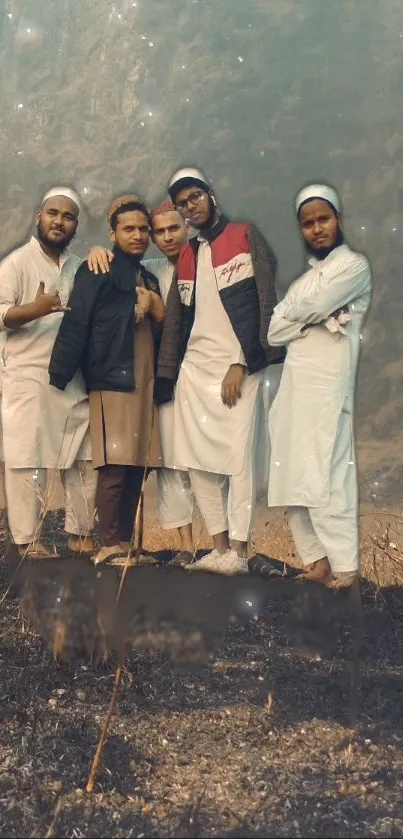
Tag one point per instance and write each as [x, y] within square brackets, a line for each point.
[127, 208]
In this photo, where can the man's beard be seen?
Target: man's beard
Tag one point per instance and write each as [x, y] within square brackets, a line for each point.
[322, 253]
[133, 258]
[55, 247]
[212, 217]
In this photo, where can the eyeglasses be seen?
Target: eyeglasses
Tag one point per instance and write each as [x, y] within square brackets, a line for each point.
[194, 198]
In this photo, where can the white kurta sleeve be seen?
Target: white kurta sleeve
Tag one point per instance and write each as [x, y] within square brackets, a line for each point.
[282, 330]
[336, 286]
[239, 358]
[9, 289]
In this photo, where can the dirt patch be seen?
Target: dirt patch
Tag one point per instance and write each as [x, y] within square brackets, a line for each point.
[250, 741]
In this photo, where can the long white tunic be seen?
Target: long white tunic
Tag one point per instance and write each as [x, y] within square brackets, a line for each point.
[164, 271]
[42, 427]
[207, 434]
[311, 419]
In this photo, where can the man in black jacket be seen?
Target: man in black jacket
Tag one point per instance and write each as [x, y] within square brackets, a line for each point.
[214, 347]
[111, 332]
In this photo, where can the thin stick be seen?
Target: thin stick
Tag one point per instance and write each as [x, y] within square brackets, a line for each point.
[49, 832]
[111, 708]
[141, 522]
[138, 530]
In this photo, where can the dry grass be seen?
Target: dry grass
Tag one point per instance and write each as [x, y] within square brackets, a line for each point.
[250, 744]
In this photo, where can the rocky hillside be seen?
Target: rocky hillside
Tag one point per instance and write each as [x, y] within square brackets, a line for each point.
[264, 95]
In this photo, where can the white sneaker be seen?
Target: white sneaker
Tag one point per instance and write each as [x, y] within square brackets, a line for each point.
[106, 554]
[229, 563]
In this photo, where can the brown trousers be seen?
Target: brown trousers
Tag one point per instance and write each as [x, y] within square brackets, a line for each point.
[117, 499]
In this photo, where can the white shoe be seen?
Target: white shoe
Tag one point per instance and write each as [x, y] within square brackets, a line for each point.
[106, 554]
[229, 563]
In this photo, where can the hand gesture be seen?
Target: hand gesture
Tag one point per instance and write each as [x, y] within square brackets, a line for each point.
[48, 303]
[231, 385]
[99, 259]
[144, 299]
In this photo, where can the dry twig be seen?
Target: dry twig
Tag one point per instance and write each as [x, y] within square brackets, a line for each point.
[104, 732]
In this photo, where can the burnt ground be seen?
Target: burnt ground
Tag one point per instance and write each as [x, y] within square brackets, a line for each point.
[223, 728]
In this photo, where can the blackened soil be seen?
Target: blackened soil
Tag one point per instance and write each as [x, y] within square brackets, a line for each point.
[239, 714]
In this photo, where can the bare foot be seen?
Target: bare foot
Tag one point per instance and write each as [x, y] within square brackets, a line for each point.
[346, 581]
[81, 544]
[126, 546]
[318, 572]
[35, 550]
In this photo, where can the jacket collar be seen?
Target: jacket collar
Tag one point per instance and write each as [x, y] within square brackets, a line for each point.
[123, 271]
[211, 233]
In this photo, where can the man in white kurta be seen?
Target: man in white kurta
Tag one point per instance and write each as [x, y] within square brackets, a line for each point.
[313, 466]
[215, 442]
[175, 497]
[218, 394]
[43, 428]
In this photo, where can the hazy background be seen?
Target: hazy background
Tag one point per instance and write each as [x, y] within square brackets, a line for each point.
[264, 96]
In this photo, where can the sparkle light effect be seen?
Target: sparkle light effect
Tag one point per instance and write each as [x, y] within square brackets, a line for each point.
[28, 34]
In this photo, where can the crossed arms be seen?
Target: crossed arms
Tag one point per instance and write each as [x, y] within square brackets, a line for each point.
[334, 288]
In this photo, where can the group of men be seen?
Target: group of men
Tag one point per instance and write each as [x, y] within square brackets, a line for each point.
[115, 366]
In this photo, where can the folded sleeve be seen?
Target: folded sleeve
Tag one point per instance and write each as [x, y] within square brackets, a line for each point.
[9, 289]
[282, 331]
[334, 287]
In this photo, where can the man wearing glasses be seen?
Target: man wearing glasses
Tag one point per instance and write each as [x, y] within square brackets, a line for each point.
[214, 346]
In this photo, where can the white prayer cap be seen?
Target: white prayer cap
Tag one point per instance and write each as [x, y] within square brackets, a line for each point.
[326, 193]
[62, 192]
[187, 177]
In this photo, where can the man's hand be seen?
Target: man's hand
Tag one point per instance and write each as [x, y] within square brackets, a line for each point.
[48, 303]
[144, 299]
[344, 310]
[99, 259]
[231, 385]
[44, 304]
[336, 321]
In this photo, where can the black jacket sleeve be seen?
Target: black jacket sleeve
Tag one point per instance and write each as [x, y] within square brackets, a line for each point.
[74, 329]
[265, 266]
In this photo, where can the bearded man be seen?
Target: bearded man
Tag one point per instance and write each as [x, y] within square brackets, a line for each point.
[43, 429]
[214, 347]
[313, 464]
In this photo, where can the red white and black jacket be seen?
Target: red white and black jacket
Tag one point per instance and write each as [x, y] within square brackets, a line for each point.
[244, 266]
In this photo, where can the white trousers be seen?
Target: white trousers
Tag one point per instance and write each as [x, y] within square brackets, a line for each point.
[27, 502]
[320, 532]
[174, 498]
[226, 502]
[332, 530]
